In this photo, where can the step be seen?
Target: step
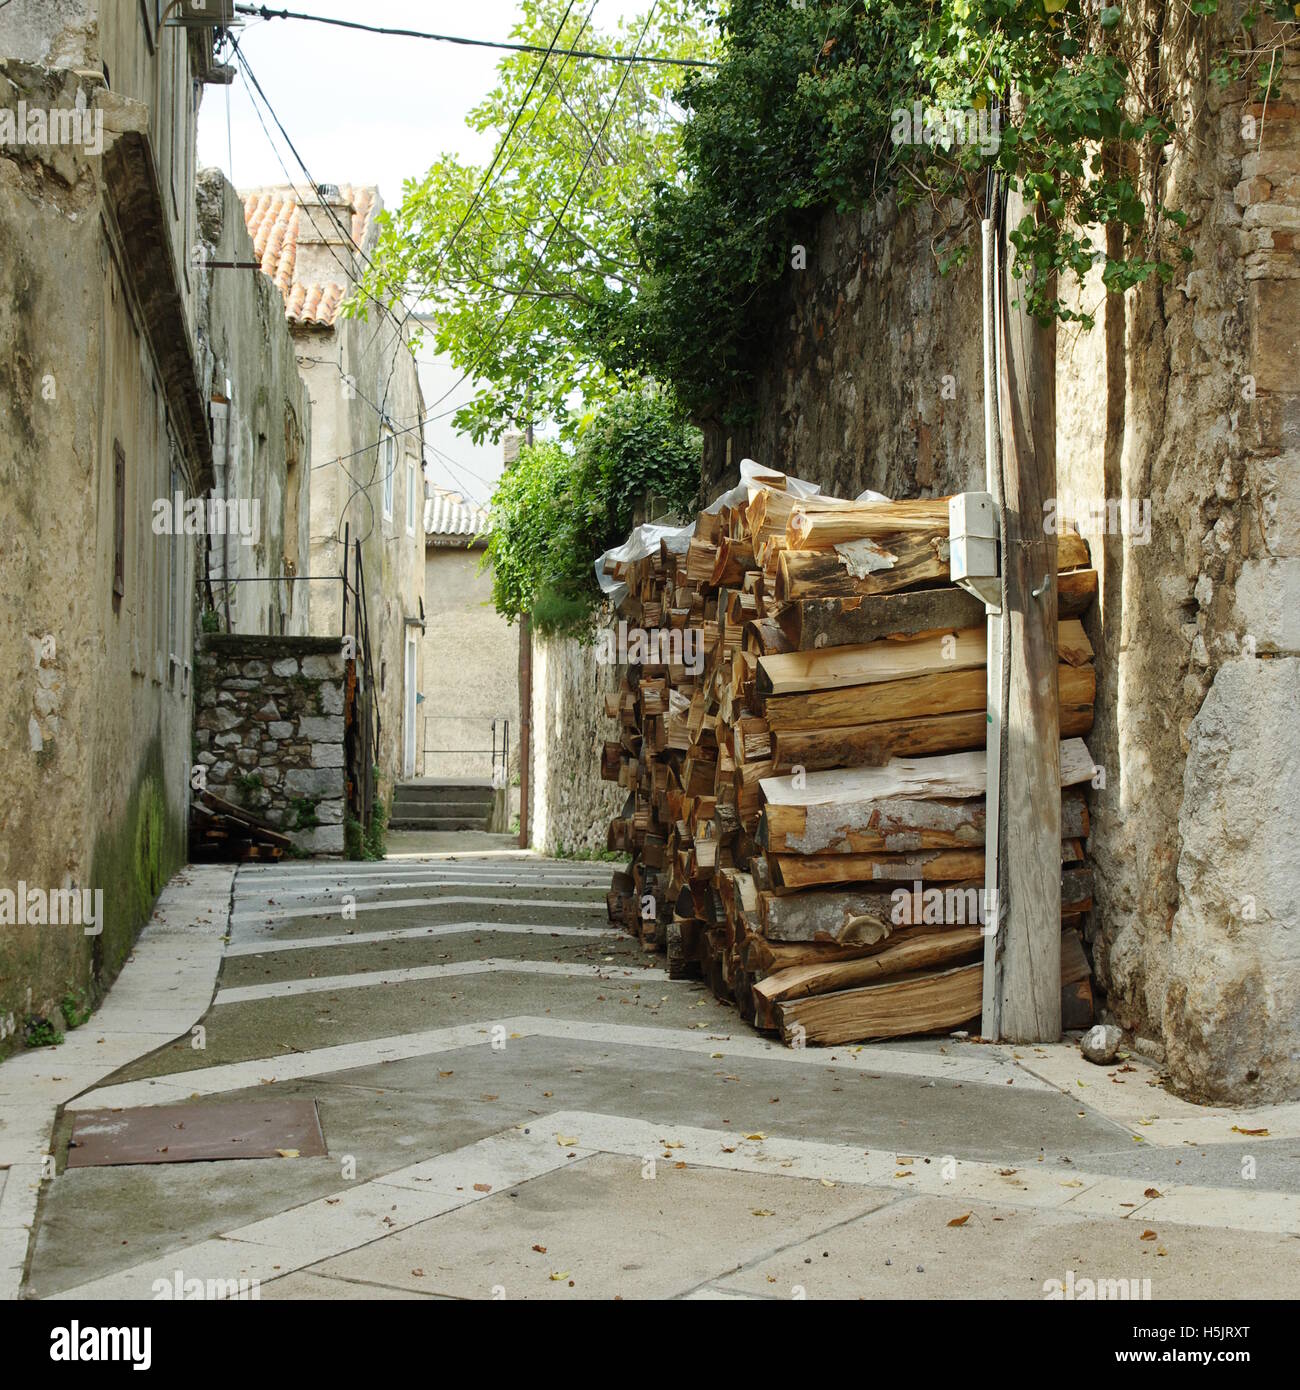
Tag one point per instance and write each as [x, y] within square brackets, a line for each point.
[439, 822]
[458, 796]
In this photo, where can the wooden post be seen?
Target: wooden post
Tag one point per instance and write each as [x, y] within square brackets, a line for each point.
[525, 692]
[1030, 983]
[525, 722]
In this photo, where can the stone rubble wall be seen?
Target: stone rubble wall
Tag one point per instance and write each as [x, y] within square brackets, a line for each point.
[269, 731]
[571, 806]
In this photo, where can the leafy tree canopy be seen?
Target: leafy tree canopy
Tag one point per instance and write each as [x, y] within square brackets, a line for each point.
[527, 267]
[557, 508]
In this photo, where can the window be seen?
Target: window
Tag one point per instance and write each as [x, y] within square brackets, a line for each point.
[119, 525]
[410, 497]
[388, 462]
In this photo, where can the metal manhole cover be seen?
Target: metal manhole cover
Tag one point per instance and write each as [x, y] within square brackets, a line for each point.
[196, 1133]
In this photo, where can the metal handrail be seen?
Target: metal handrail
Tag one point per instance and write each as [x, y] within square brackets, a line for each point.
[499, 751]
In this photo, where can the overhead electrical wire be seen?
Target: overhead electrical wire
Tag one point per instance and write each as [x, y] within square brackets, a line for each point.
[262, 12]
[496, 158]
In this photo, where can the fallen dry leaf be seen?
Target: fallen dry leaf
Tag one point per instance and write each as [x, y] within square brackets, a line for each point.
[763, 1211]
[907, 1173]
[1152, 1192]
[541, 1249]
[960, 1220]
[756, 1135]
[558, 1275]
[1148, 1235]
[287, 1153]
[1254, 1133]
[482, 1187]
[564, 1140]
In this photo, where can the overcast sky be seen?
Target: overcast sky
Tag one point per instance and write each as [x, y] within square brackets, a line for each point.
[366, 109]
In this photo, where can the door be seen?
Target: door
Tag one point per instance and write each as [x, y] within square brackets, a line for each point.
[408, 750]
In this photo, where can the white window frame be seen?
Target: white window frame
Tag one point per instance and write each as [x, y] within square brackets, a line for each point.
[411, 477]
[389, 464]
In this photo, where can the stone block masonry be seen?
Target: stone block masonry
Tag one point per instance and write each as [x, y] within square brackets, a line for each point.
[268, 730]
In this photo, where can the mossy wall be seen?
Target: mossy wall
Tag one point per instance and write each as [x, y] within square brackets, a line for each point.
[133, 857]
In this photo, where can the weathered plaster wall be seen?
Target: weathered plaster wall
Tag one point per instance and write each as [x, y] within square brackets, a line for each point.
[95, 717]
[470, 672]
[571, 806]
[269, 731]
[1186, 394]
[261, 416]
[350, 371]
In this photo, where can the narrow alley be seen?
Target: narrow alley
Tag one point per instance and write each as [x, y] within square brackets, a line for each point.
[517, 1103]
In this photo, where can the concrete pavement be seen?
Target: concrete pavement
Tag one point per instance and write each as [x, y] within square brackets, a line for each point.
[518, 1104]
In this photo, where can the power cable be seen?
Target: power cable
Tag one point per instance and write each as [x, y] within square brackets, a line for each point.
[262, 12]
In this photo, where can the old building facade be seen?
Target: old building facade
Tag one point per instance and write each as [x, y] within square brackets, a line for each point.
[470, 679]
[124, 346]
[367, 485]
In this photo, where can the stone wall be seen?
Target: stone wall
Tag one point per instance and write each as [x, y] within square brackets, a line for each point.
[269, 731]
[1186, 394]
[571, 806]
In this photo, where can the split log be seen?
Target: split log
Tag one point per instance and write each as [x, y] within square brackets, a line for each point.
[796, 871]
[872, 745]
[956, 775]
[876, 662]
[810, 529]
[944, 692]
[890, 826]
[925, 1003]
[914, 948]
[815, 870]
[851, 621]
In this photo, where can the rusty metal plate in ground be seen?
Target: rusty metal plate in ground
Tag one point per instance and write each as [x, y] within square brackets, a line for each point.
[196, 1133]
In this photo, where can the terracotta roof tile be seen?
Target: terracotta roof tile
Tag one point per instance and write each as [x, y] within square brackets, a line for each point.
[271, 216]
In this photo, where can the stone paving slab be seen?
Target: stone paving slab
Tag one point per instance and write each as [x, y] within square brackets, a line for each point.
[163, 988]
[454, 1103]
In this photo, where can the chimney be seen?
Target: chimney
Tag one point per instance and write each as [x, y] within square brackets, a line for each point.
[324, 237]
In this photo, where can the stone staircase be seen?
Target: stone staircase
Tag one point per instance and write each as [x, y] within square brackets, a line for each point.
[449, 803]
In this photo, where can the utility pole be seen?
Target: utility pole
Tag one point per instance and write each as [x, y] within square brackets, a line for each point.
[1029, 1004]
[525, 700]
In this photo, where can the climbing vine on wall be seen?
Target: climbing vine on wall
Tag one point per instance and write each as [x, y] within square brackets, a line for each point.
[558, 507]
[823, 105]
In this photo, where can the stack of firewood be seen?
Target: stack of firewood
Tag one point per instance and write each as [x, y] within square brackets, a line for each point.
[801, 737]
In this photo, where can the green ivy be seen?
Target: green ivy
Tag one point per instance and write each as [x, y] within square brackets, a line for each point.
[802, 118]
[557, 508]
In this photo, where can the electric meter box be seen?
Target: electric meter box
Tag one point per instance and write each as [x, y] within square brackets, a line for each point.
[973, 545]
